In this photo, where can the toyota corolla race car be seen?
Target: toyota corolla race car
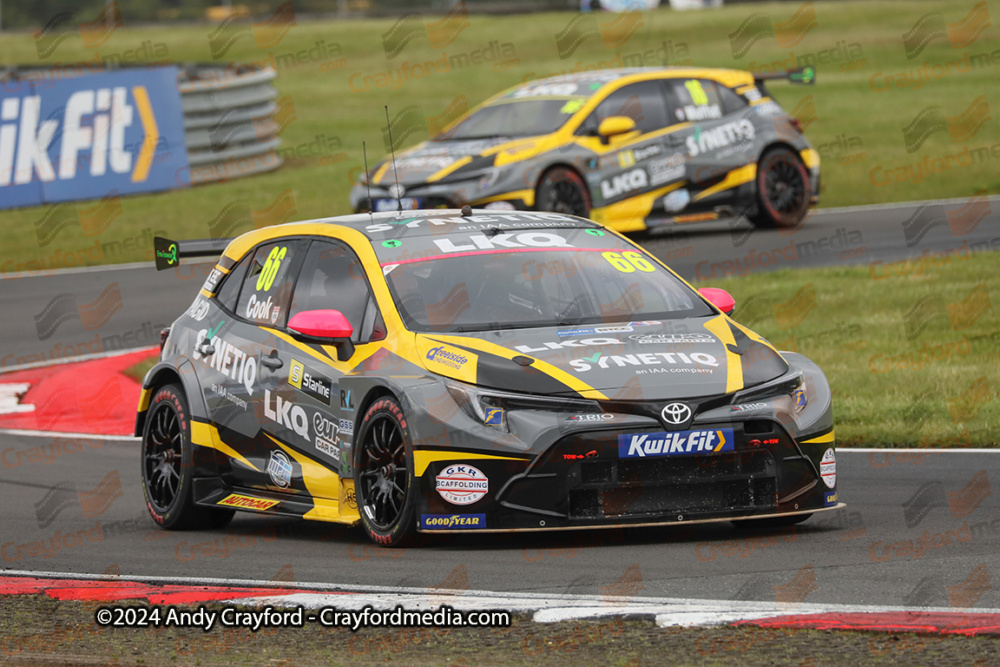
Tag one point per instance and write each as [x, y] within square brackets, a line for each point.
[630, 148]
[440, 371]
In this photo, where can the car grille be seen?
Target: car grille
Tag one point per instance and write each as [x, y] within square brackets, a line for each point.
[734, 481]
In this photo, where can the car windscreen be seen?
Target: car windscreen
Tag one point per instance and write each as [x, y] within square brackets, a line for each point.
[515, 118]
[511, 287]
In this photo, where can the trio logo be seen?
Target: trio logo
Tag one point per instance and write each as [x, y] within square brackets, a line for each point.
[92, 220]
[93, 33]
[614, 32]
[265, 35]
[439, 33]
[239, 217]
[960, 221]
[65, 307]
[960, 503]
[930, 27]
[960, 128]
[413, 119]
[92, 503]
[961, 315]
[760, 25]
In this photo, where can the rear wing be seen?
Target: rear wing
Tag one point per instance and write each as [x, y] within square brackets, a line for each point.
[168, 253]
[803, 75]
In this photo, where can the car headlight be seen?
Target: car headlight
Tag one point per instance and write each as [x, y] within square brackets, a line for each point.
[789, 386]
[490, 407]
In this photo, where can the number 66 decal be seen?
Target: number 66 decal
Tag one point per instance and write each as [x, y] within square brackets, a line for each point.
[628, 261]
[270, 270]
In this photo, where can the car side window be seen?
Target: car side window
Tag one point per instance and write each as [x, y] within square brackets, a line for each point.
[643, 102]
[267, 286]
[731, 102]
[695, 100]
[333, 278]
[230, 288]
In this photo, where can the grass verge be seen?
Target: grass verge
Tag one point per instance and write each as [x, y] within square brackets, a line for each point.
[38, 630]
[910, 348]
[335, 77]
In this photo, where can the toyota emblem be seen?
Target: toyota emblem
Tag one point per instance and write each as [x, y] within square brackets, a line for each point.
[396, 190]
[676, 413]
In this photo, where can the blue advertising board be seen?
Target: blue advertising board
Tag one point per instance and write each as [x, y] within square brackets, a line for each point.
[91, 135]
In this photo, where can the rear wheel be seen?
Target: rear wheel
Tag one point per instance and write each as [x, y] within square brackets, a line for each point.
[167, 461]
[384, 478]
[783, 191]
[563, 191]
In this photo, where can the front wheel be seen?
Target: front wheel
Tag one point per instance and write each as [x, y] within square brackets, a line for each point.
[563, 191]
[783, 190]
[167, 461]
[384, 475]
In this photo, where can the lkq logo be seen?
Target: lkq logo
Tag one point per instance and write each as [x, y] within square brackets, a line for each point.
[675, 443]
[462, 484]
[279, 468]
[287, 414]
[624, 183]
[503, 240]
[676, 414]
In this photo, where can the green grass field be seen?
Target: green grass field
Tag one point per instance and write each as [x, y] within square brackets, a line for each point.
[337, 77]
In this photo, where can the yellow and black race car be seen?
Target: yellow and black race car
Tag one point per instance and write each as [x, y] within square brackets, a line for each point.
[471, 371]
[630, 148]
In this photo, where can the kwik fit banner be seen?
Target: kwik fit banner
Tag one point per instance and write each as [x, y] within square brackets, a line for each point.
[84, 137]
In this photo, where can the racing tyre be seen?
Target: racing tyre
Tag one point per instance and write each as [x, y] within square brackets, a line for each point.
[384, 478]
[783, 190]
[563, 191]
[167, 462]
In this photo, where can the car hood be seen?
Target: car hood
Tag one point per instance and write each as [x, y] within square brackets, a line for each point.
[673, 359]
[464, 158]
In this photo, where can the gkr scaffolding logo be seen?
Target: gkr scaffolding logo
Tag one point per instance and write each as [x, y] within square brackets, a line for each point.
[614, 32]
[930, 27]
[65, 307]
[760, 25]
[960, 128]
[265, 34]
[93, 33]
[439, 33]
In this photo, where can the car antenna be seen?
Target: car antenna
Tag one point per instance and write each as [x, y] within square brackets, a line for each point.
[392, 150]
[368, 181]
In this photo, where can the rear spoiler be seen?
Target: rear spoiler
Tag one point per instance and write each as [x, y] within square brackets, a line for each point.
[168, 253]
[803, 75]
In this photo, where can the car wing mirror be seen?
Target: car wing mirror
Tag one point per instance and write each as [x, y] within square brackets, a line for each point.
[329, 327]
[614, 126]
[719, 298]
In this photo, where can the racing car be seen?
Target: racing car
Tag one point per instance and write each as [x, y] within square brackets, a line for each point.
[443, 371]
[632, 149]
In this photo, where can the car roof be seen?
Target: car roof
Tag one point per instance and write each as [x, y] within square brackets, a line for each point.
[433, 222]
[607, 76]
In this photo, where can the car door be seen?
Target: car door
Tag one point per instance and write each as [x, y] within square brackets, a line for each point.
[248, 338]
[302, 392]
[719, 140]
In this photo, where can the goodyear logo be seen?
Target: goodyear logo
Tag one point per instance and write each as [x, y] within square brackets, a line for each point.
[829, 499]
[676, 443]
[83, 137]
[452, 521]
[248, 503]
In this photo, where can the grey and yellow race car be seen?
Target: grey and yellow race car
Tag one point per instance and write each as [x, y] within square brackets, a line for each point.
[445, 370]
[632, 149]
